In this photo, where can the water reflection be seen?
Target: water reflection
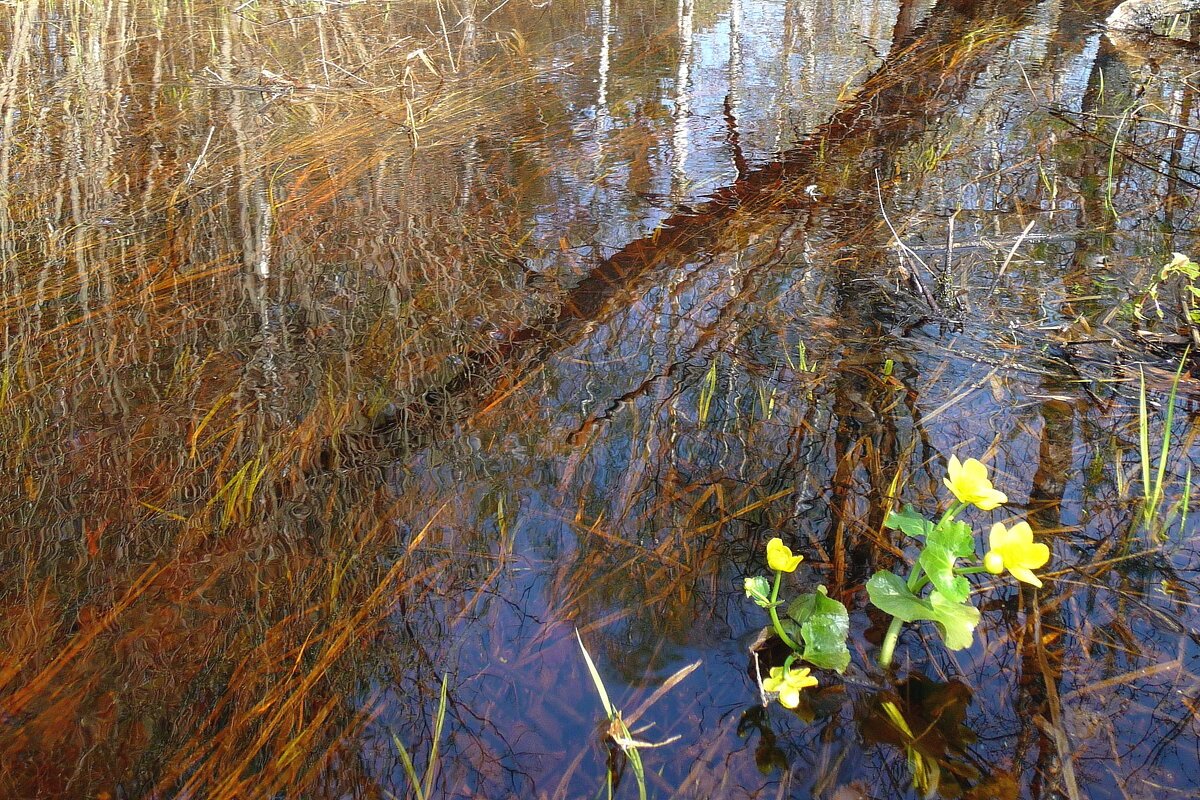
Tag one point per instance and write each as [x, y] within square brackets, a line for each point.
[351, 346]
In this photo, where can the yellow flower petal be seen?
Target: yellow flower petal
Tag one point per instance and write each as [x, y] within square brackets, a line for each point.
[1002, 537]
[1024, 574]
[1014, 549]
[789, 685]
[1036, 555]
[779, 556]
[774, 681]
[969, 483]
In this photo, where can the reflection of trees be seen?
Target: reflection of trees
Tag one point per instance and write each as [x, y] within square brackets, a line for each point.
[192, 601]
[871, 426]
[842, 158]
[195, 380]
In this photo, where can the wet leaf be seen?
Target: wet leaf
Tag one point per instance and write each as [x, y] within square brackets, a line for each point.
[824, 626]
[957, 537]
[908, 521]
[938, 563]
[890, 594]
[956, 620]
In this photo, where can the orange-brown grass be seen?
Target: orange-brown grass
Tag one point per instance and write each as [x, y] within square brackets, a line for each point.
[189, 581]
[215, 279]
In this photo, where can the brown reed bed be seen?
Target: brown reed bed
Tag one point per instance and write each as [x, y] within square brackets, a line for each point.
[236, 286]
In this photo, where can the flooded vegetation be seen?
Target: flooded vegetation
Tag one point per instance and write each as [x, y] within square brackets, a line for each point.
[358, 356]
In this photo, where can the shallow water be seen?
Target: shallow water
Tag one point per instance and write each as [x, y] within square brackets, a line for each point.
[351, 348]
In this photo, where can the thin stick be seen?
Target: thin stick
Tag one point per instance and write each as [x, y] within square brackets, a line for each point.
[912, 274]
[187, 181]
[1011, 253]
[446, 37]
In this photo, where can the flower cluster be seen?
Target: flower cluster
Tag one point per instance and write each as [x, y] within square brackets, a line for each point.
[1011, 549]
[815, 626]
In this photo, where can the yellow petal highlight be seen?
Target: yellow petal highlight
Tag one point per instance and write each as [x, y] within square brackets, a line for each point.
[1013, 549]
[969, 482]
[790, 685]
[779, 556]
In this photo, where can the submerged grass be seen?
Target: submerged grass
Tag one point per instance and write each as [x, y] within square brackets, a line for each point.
[422, 785]
[1153, 485]
[192, 467]
[228, 331]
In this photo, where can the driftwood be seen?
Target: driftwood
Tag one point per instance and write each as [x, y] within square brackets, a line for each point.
[1141, 15]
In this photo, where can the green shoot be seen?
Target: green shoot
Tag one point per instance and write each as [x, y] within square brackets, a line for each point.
[1153, 486]
[707, 392]
[617, 731]
[423, 787]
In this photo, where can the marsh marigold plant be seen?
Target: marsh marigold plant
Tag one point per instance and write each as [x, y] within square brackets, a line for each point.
[816, 627]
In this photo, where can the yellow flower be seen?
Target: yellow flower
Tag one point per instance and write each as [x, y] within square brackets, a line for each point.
[779, 556]
[790, 685]
[970, 484]
[1013, 549]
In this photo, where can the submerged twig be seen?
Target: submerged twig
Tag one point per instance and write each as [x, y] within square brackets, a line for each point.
[912, 275]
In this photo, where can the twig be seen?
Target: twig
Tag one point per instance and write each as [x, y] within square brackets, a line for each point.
[187, 181]
[1011, 253]
[1053, 728]
[904, 248]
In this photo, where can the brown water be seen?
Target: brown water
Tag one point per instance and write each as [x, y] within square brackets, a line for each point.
[353, 345]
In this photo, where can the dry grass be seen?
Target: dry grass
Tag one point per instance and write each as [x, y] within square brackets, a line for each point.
[240, 291]
[222, 255]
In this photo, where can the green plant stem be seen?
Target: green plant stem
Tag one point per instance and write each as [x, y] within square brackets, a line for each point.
[888, 649]
[775, 616]
[951, 512]
[916, 579]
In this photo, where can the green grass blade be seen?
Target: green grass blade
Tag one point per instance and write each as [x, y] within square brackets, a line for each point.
[409, 770]
[707, 392]
[608, 707]
[431, 767]
[1164, 450]
[423, 789]
[639, 772]
[1185, 501]
[1144, 439]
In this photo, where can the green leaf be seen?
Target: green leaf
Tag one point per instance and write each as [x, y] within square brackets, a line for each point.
[956, 621]
[946, 542]
[824, 626]
[890, 594]
[908, 521]
[938, 563]
[758, 589]
[791, 629]
[955, 536]
[802, 608]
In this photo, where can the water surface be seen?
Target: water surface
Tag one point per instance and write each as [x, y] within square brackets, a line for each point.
[354, 348]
